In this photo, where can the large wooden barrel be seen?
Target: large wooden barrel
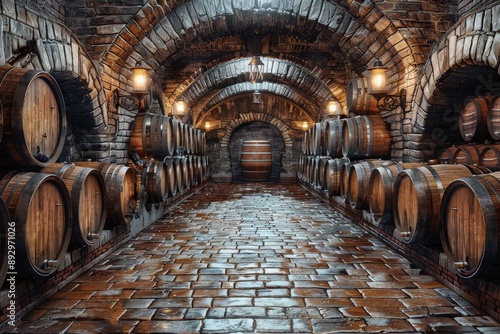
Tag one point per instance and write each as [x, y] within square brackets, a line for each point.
[154, 177]
[333, 138]
[332, 176]
[493, 119]
[180, 173]
[366, 137]
[358, 182]
[305, 143]
[322, 171]
[152, 135]
[470, 228]
[380, 191]
[358, 100]
[40, 206]
[34, 118]
[468, 154]
[473, 119]
[88, 200]
[417, 199]
[256, 160]
[7, 230]
[344, 177]
[490, 157]
[121, 190]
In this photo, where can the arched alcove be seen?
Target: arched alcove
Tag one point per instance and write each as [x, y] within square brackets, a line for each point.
[256, 131]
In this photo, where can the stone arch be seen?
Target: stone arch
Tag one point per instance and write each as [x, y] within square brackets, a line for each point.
[472, 44]
[157, 32]
[259, 117]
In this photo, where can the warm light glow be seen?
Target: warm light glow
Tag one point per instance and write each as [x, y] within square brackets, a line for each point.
[377, 83]
[334, 108]
[180, 107]
[305, 125]
[207, 126]
[256, 69]
[140, 79]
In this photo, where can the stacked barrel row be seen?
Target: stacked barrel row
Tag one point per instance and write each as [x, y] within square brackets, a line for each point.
[47, 207]
[363, 136]
[479, 119]
[170, 156]
[452, 206]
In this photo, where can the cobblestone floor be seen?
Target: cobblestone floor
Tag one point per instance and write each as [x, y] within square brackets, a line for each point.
[255, 258]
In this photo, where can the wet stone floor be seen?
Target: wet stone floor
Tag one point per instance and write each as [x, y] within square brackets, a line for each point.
[254, 258]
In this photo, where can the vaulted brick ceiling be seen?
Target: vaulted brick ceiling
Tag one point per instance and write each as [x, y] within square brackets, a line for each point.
[199, 49]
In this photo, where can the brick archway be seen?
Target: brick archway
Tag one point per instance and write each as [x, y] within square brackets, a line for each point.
[261, 117]
[472, 43]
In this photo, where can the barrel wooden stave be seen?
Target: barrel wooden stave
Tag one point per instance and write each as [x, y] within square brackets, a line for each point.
[417, 197]
[490, 157]
[256, 160]
[470, 231]
[358, 183]
[43, 227]
[154, 178]
[333, 138]
[34, 118]
[473, 119]
[380, 191]
[365, 137]
[493, 119]
[445, 155]
[358, 100]
[152, 135]
[121, 192]
[468, 154]
[88, 200]
[332, 176]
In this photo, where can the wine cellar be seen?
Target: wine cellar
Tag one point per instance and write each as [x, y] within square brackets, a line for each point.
[270, 166]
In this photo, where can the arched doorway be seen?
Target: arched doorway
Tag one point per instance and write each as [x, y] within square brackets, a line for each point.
[256, 131]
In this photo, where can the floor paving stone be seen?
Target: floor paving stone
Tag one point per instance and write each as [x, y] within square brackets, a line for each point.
[254, 258]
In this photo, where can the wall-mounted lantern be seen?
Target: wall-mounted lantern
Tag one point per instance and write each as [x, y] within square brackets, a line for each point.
[179, 109]
[377, 87]
[256, 70]
[207, 126]
[333, 108]
[140, 89]
[305, 125]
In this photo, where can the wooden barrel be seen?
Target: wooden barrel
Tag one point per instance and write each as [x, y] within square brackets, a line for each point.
[344, 178]
[445, 155]
[87, 192]
[332, 176]
[417, 198]
[178, 137]
[7, 230]
[180, 173]
[333, 138]
[467, 154]
[187, 138]
[358, 100]
[470, 228]
[380, 191]
[256, 160]
[305, 143]
[40, 206]
[322, 170]
[197, 170]
[473, 119]
[154, 177]
[152, 135]
[358, 182]
[170, 168]
[34, 118]
[493, 119]
[490, 157]
[121, 190]
[317, 139]
[366, 137]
